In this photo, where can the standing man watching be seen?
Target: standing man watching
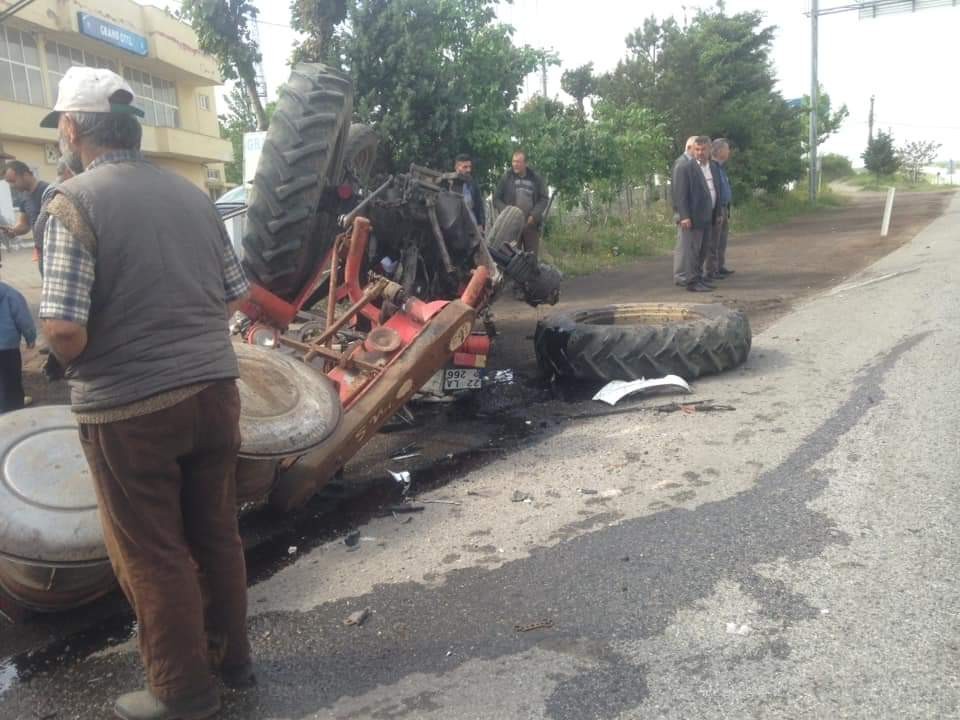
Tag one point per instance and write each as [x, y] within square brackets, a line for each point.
[695, 202]
[27, 197]
[139, 278]
[472, 194]
[523, 188]
[716, 267]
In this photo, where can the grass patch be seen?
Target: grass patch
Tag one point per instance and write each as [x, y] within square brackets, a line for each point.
[763, 211]
[868, 181]
[578, 248]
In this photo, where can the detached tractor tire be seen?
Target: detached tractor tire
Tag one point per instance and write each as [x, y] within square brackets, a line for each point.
[642, 340]
[288, 231]
[506, 228]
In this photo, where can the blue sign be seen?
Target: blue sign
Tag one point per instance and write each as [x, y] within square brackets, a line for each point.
[112, 34]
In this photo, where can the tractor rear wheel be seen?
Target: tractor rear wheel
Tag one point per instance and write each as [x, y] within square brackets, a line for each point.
[289, 229]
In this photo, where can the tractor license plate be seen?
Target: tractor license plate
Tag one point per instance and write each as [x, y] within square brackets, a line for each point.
[462, 379]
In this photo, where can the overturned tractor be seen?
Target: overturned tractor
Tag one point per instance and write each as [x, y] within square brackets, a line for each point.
[359, 299]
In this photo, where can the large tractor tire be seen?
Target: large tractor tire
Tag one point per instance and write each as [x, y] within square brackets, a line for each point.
[288, 228]
[506, 228]
[632, 341]
[360, 153]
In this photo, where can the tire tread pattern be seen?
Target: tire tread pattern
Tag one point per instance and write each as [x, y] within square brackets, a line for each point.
[714, 339]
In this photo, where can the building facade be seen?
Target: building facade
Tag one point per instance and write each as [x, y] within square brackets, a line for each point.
[157, 54]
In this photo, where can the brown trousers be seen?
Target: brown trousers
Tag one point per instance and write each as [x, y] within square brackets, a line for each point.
[166, 487]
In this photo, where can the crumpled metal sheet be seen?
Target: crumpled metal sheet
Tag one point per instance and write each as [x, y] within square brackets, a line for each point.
[615, 390]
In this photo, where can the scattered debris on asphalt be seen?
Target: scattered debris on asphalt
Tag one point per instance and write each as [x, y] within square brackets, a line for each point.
[735, 629]
[352, 538]
[611, 493]
[407, 451]
[587, 491]
[402, 508]
[697, 405]
[500, 377]
[442, 502]
[694, 407]
[403, 479]
[292, 550]
[540, 624]
[358, 618]
[520, 496]
[615, 390]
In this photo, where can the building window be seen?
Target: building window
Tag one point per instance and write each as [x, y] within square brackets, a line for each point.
[20, 77]
[213, 175]
[61, 58]
[204, 102]
[157, 98]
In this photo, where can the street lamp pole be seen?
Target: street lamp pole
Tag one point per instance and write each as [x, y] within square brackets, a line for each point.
[814, 98]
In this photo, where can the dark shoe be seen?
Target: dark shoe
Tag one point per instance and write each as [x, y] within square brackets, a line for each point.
[703, 281]
[697, 287]
[724, 272]
[240, 677]
[143, 705]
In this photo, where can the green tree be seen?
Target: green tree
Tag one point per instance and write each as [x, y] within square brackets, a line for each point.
[321, 21]
[579, 83]
[715, 77]
[880, 156]
[835, 167]
[435, 78]
[915, 155]
[223, 31]
[828, 122]
[599, 157]
[240, 118]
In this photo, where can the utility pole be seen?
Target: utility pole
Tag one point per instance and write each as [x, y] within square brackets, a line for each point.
[814, 99]
[870, 119]
[543, 77]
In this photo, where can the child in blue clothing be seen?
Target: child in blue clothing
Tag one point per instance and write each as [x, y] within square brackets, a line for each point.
[16, 322]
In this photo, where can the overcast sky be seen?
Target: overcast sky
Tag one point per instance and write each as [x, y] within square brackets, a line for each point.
[907, 61]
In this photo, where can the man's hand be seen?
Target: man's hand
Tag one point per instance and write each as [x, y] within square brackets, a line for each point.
[67, 339]
[531, 220]
[686, 223]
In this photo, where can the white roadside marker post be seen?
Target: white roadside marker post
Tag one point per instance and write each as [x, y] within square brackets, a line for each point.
[887, 211]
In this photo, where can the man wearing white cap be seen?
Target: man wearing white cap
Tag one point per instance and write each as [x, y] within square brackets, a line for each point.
[139, 277]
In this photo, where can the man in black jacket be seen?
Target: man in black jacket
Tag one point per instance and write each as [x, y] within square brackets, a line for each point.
[696, 187]
[472, 194]
[523, 188]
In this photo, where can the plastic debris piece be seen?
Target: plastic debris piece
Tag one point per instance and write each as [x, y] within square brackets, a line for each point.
[735, 629]
[358, 618]
[352, 538]
[292, 550]
[586, 491]
[615, 390]
[611, 493]
[520, 496]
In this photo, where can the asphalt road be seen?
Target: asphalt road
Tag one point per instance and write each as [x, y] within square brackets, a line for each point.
[796, 557]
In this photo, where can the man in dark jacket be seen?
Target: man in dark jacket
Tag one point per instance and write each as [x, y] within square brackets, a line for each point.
[696, 187]
[139, 278]
[472, 194]
[523, 188]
